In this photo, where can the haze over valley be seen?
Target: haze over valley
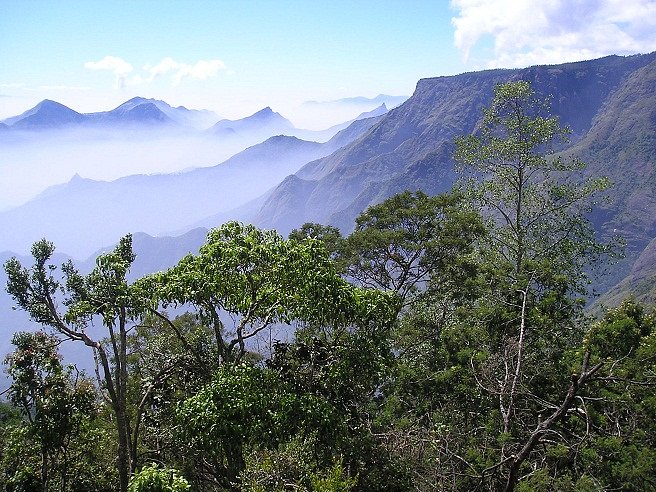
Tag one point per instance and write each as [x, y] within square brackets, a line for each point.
[50, 143]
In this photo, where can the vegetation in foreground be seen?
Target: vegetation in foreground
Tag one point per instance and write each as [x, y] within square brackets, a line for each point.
[440, 346]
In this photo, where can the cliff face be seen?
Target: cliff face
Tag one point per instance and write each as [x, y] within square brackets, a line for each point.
[411, 147]
[609, 104]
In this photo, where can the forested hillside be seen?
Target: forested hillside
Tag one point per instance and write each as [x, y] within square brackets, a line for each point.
[440, 345]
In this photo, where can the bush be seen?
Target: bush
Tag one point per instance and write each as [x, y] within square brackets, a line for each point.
[154, 479]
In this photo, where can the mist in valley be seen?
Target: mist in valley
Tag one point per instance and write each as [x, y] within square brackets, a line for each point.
[29, 163]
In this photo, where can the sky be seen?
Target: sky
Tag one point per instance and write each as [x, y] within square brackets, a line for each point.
[236, 57]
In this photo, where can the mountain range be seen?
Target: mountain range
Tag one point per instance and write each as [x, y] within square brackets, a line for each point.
[609, 104]
[390, 101]
[51, 115]
[158, 203]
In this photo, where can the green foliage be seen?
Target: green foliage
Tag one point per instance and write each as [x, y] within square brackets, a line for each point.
[537, 207]
[620, 332]
[333, 480]
[293, 464]
[59, 444]
[156, 479]
[261, 278]
[409, 239]
[330, 236]
[277, 469]
[19, 459]
[246, 406]
[47, 393]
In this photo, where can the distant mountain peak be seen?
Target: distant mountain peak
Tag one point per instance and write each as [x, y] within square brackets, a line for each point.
[263, 121]
[139, 100]
[46, 114]
[265, 113]
[48, 102]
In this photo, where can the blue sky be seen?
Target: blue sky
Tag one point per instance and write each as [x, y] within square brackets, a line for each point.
[237, 57]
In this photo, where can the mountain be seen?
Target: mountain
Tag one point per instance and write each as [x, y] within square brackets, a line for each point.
[389, 101]
[45, 116]
[83, 214]
[412, 145]
[608, 104]
[50, 115]
[133, 112]
[265, 122]
[622, 146]
[142, 110]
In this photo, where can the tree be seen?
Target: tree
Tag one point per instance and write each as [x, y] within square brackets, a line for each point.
[242, 282]
[533, 197]
[245, 407]
[104, 293]
[484, 391]
[257, 279]
[410, 240]
[60, 409]
[539, 250]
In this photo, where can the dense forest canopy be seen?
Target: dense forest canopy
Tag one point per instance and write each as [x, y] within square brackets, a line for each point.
[442, 345]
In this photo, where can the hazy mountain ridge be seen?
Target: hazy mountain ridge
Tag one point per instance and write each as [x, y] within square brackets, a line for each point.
[83, 214]
[608, 103]
[51, 115]
[50, 142]
[415, 140]
[386, 99]
[263, 121]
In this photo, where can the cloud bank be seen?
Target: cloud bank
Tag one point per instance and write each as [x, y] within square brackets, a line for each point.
[201, 70]
[530, 32]
[118, 66]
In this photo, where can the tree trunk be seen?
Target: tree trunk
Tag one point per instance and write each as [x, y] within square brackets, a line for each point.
[124, 461]
[44, 470]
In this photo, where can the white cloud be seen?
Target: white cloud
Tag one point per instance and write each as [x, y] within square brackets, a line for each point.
[118, 66]
[201, 70]
[528, 32]
[113, 63]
